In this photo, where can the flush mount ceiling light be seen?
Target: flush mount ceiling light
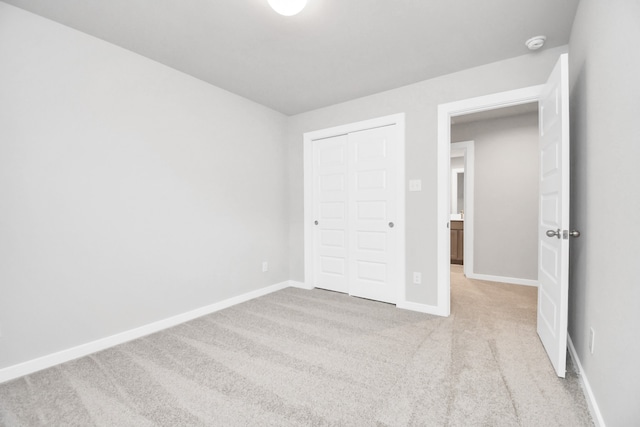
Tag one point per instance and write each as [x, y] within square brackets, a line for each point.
[287, 7]
[535, 43]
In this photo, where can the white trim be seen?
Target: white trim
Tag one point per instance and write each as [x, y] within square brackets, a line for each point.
[308, 138]
[596, 415]
[445, 112]
[468, 147]
[401, 260]
[422, 308]
[308, 211]
[44, 362]
[503, 279]
[296, 284]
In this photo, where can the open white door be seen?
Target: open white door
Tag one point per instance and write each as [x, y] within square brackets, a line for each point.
[553, 229]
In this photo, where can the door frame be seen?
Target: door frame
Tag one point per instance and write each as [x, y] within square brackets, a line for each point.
[309, 249]
[445, 113]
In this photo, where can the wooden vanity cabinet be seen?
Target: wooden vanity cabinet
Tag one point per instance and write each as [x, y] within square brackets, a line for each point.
[457, 242]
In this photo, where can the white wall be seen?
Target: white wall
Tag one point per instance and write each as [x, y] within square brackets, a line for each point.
[129, 192]
[420, 102]
[605, 142]
[506, 194]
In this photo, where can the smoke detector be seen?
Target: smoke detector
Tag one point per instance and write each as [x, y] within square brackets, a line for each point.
[535, 43]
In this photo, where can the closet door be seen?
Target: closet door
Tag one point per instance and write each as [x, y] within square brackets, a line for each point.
[330, 213]
[372, 210]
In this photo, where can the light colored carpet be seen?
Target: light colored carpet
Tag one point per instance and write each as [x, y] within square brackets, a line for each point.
[300, 357]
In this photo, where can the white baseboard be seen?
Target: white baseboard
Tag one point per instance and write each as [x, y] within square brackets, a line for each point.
[503, 279]
[44, 362]
[586, 387]
[422, 308]
[296, 284]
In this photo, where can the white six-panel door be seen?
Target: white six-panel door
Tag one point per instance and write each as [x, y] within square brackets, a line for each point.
[354, 206]
[553, 230]
[372, 214]
[330, 207]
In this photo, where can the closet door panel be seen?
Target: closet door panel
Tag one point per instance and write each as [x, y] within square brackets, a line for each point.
[371, 206]
[330, 211]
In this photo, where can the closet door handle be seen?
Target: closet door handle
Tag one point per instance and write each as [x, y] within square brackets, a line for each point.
[553, 233]
[391, 224]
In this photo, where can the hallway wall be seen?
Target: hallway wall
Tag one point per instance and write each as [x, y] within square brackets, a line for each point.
[506, 194]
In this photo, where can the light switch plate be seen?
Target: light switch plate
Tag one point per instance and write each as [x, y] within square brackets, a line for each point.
[415, 185]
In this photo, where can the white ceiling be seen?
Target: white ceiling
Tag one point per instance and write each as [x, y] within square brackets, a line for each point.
[333, 51]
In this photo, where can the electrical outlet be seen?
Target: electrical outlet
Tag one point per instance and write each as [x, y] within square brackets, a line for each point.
[417, 278]
[592, 337]
[265, 266]
[415, 185]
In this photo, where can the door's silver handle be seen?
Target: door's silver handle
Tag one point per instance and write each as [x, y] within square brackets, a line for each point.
[574, 233]
[391, 225]
[315, 222]
[553, 233]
